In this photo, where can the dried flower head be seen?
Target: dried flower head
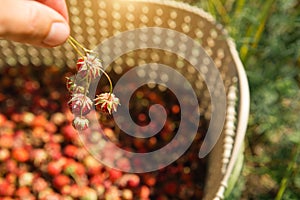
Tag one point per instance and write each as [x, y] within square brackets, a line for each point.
[107, 102]
[89, 65]
[72, 86]
[80, 123]
[80, 104]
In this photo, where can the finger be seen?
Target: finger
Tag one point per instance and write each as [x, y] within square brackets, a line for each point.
[58, 5]
[33, 23]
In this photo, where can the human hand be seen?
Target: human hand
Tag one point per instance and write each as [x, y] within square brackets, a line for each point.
[41, 23]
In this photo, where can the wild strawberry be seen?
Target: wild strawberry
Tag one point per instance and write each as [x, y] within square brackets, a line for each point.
[93, 166]
[80, 123]
[80, 104]
[149, 179]
[38, 156]
[97, 179]
[26, 179]
[6, 141]
[39, 121]
[4, 154]
[69, 132]
[60, 180]
[11, 166]
[114, 174]
[39, 184]
[20, 154]
[133, 180]
[75, 191]
[54, 168]
[127, 194]
[112, 194]
[53, 150]
[66, 190]
[6, 189]
[88, 193]
[80, 169]
[22, 192]
[2, 119]
[71, 151]
[144, 192]
[74, 168]
[11, 178]
[107, 102]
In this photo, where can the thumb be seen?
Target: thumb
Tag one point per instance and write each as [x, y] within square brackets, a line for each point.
[33, 23]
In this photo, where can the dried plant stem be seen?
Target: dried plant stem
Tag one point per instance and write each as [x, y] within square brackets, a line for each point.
[75, 47]
[109, 80]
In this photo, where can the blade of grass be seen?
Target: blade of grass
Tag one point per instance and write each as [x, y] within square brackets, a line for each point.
[255, 31]
[221, 11]
[263, 19]
[289, 173]
[210, 8]
[239, 7]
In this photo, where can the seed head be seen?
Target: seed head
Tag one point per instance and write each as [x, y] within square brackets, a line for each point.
[107, 102]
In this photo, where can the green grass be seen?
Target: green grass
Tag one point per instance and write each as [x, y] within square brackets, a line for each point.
[267, 34]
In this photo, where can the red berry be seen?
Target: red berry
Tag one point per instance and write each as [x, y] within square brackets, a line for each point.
[133, 180]
[114, 174]
[22, 192]
[71, 151]
[11, 178]
[97, 179]
[74, 168]
[54, 168]
[144, 192]
[149, 180]
[39, 184]
[93, 166]
[6, 141]
[20, 154]
[80, 169]
[61, 180]
[6, 189]
[53, 149]
[11, 166]
[88, 193]
[4, 154]
[69, 132]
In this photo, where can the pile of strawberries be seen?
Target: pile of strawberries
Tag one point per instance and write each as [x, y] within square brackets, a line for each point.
[42, 157]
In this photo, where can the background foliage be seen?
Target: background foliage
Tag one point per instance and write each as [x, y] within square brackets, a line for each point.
[267, 34]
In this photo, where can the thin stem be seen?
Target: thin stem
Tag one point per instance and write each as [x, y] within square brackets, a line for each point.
[75, 47]
[109, 80]
[289, 173]
[78, 44]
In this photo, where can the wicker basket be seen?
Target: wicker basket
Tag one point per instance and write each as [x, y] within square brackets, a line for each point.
[93, 21]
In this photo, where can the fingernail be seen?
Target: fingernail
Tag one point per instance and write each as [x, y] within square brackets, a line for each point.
[58, 34]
